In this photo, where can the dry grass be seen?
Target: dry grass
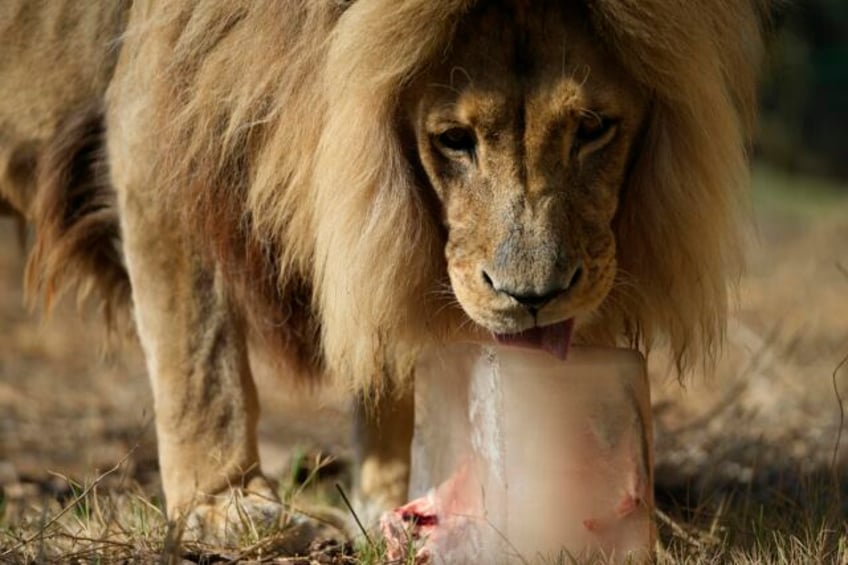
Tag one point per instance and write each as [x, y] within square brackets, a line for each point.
[801, 523]
[117, 525]
[806, 526]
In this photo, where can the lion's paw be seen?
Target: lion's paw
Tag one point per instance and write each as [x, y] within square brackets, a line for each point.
[243, 516]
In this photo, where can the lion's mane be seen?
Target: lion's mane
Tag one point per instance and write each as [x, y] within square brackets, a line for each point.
[277, 129]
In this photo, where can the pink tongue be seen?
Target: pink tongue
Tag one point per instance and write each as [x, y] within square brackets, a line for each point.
[555, 339]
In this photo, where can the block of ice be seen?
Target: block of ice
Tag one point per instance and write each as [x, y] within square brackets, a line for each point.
[519, 457]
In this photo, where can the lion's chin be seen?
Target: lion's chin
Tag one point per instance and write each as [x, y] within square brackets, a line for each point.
[555, 339]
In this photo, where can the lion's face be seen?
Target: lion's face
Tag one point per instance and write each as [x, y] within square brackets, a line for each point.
[525, 134]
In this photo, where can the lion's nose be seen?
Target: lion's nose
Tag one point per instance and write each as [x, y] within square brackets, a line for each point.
[534, 299]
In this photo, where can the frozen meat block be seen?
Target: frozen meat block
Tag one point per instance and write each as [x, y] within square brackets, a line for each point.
[519, 456]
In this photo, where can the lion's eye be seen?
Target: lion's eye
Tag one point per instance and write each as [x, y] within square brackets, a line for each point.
[594, 128]
[456, 142]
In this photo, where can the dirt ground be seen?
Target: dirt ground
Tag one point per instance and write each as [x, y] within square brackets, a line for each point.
[74, 400]
[770, 413]
[767, 419]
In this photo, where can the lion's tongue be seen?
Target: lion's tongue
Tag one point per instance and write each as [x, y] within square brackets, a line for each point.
[555, 339]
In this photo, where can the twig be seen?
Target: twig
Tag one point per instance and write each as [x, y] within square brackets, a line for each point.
[355, 517]
[836, 445]
[255, 548]
[74, 502]
[502, 535]
[678, 529]
[101, 541]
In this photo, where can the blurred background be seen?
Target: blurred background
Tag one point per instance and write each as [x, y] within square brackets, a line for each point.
[766, 424]
[804, 103]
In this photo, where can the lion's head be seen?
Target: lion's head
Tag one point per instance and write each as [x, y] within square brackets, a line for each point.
[553, 160]
[524, 133]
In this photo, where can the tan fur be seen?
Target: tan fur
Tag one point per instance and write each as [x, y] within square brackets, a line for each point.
[77, 218]
[277, 182]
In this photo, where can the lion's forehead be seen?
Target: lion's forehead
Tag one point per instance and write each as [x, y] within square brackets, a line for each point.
[534, 73]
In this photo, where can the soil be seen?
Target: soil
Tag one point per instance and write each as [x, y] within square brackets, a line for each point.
[75, 400]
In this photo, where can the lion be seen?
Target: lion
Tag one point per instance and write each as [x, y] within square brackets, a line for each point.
[333, 187]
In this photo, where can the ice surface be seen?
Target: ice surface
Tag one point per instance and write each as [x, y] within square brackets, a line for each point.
[519, 456]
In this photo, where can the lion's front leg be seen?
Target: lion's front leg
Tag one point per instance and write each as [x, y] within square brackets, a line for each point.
[205, 400]
[383, 430]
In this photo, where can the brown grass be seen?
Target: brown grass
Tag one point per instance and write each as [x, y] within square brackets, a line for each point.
[804, 526]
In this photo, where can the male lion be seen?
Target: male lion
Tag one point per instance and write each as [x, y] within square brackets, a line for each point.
[338, 184]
